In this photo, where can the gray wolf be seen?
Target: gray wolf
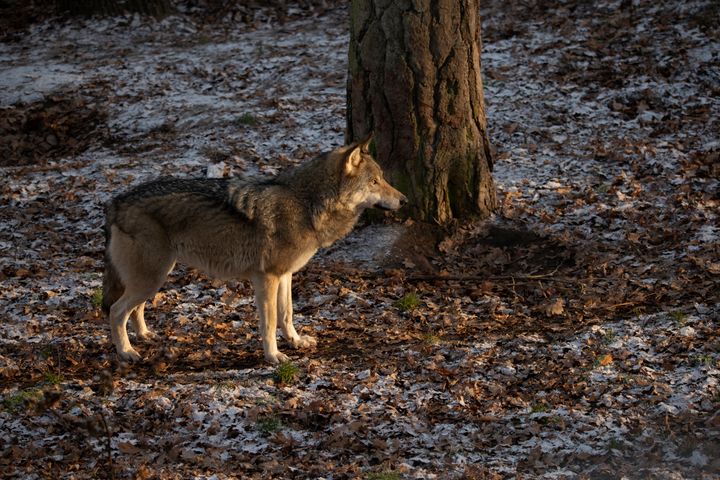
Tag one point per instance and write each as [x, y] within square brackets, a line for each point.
[261, 230]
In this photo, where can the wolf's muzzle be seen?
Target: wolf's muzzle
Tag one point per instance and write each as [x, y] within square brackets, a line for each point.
[382, 206]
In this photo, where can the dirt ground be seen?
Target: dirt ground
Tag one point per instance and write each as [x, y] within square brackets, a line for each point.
[573, 335]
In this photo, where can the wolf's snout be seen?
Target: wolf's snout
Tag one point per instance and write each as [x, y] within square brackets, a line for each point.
[403, 200]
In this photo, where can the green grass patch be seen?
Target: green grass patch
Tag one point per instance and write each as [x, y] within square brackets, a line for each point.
[247, 119]
[53, 378]
[614, 444]
[97, 298]
[269, 424]
[286, 372]
[266, 400]
[225, 385]
[700, 360]
[609, 336]
[679, 317]
[383, 476]
[431, 338]
[408, 302]
[48, 352]
[20, 401]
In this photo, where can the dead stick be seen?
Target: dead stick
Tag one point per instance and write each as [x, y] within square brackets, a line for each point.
[479, 278]
[618, 305]
[108, 446]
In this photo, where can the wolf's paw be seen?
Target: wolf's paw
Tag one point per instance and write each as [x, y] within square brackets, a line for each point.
[148, 336]
[130, 355]
[276, 358]
[305, 341]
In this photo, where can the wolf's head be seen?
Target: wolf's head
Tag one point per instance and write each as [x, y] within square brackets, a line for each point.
[362, 184]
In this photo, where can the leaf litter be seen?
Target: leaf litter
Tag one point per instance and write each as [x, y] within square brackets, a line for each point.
[574, 335]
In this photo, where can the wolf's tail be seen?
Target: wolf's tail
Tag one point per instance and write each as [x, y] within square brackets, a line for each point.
[112, 285]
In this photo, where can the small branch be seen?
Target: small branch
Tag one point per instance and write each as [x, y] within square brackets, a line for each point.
[108, 446]
[496, 278]
[625, 304]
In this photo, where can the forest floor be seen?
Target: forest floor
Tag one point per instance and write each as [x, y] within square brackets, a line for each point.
[573, 335]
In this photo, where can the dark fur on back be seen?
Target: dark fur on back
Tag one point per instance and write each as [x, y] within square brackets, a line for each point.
[211, 188]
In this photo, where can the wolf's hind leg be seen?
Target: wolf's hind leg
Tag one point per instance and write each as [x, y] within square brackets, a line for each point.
[285, 315]
[138, 316]
[119, 314]
[142, 261]
[132, 302]
[138, 321]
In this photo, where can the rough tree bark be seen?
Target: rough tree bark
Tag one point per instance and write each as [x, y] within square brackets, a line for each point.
[156, 8]
[414, 80]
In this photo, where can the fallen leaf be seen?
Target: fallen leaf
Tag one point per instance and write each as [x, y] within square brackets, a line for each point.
[605, 360]
[555, 308]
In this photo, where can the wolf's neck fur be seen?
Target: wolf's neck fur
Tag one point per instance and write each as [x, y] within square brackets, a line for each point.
[332, 224]
[317, 184]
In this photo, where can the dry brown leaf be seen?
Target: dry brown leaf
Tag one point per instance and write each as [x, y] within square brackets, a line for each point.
[127, 447]
[557, 307]
[605, 360]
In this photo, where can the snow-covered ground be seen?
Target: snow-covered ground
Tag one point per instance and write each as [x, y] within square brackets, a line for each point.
[604, 364]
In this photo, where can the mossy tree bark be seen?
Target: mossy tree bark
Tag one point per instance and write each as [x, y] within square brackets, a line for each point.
[156, 8]
[414, 80]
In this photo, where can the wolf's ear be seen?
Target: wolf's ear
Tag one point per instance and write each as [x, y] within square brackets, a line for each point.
[365, 144]
[353, 160]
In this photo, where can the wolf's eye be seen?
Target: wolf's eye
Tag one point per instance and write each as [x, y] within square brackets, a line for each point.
[374, 181]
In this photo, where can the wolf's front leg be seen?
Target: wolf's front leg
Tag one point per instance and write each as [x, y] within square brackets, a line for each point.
[285, 315]
[266, 290]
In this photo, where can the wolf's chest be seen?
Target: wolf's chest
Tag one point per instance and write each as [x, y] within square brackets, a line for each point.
[295, 262]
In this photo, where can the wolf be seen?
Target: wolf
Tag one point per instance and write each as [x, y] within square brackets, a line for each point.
[262, 230]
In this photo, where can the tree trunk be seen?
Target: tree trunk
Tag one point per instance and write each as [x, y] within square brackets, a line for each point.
[156, 8]
[414, 80]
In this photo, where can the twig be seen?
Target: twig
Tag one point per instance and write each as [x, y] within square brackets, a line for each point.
[448, 278]
[618, 305]
[25, 169]
[479, 278]
[514, 284]
[108, 446]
